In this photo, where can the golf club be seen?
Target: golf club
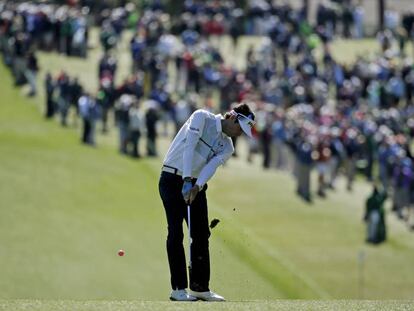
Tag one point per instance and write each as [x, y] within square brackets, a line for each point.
[189, 236]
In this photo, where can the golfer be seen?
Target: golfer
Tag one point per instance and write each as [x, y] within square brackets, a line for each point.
[202, 144]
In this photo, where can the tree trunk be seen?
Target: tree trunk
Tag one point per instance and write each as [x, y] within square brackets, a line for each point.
[306, 9]
[381, 13]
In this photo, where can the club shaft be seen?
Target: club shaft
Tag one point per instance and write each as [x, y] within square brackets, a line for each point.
[189, 235]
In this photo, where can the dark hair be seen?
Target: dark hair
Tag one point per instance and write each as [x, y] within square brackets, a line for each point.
[245, 110]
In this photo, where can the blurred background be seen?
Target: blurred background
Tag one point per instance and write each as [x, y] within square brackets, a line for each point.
[319, 204]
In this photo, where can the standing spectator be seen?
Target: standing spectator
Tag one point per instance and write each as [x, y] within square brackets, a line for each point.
[75, 92]
[351, 148]
[79, 39]
[122, 121]
[31, 72]
[266, 141]
[151, 118]
[385, 39]
[410, 217]
[163, 98]
[107, 36]
[253, 145]
[279, 143]
[359, 16]
[18, 60]
[64, 34]
[50, 88]
[138, 48]
[89, 112]
[106, 97]
[403, 177]
[322, 155]
[384, 155]
[63, 97]
[347, 20]
[370, 149]
[236, 27]
[107, 67]
[304, 162]
[337, 156]
[392, 19]
[135, 125]
[375, 217]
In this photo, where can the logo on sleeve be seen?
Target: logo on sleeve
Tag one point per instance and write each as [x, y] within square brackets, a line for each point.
[194, 129]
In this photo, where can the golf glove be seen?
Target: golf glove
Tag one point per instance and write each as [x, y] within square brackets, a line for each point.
[187, 186]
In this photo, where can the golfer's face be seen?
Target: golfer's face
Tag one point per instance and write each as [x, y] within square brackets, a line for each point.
[235, 129]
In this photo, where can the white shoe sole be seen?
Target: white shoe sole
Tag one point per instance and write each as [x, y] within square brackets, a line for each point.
[187, 300]
[212, 300]
[209, 299]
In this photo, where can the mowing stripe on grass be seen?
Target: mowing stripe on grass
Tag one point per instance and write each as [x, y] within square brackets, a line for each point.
[297, 278]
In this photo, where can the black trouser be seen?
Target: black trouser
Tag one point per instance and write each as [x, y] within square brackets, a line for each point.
[50, 107]
[86, 131]
[151, 144]
[134, 140]
[170, 186]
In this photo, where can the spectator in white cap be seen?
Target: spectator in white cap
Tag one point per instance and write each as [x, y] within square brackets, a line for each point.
[199, 148]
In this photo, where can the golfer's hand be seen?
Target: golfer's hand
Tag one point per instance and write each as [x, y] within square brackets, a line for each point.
[187, 187]
[193, 193]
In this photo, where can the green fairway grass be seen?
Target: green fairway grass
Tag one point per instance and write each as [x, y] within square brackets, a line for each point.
[66, 209]
[314, 305]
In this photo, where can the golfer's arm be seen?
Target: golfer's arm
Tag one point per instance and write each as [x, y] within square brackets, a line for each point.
[210, 168]
[194, 132]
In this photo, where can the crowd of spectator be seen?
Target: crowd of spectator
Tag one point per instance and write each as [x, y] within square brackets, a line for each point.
[48, 27]
[66, 97]
[312, 114]
[26, 28]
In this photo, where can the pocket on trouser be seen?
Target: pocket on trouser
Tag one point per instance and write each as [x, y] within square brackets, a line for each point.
[169, 188]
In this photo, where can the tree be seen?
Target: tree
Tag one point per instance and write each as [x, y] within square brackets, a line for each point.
[381, 14]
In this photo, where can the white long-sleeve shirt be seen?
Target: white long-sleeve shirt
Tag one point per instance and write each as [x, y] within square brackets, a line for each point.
[199, 147]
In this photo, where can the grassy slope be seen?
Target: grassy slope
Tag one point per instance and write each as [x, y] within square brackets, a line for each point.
[66, 209]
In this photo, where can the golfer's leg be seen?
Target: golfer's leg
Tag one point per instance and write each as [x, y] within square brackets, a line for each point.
[175, 211]
[200, 233]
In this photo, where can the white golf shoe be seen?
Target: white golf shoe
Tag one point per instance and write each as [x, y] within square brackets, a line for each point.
[181, 295]
[207, 296]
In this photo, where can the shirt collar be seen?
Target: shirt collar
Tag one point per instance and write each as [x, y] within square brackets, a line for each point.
[219, 117]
